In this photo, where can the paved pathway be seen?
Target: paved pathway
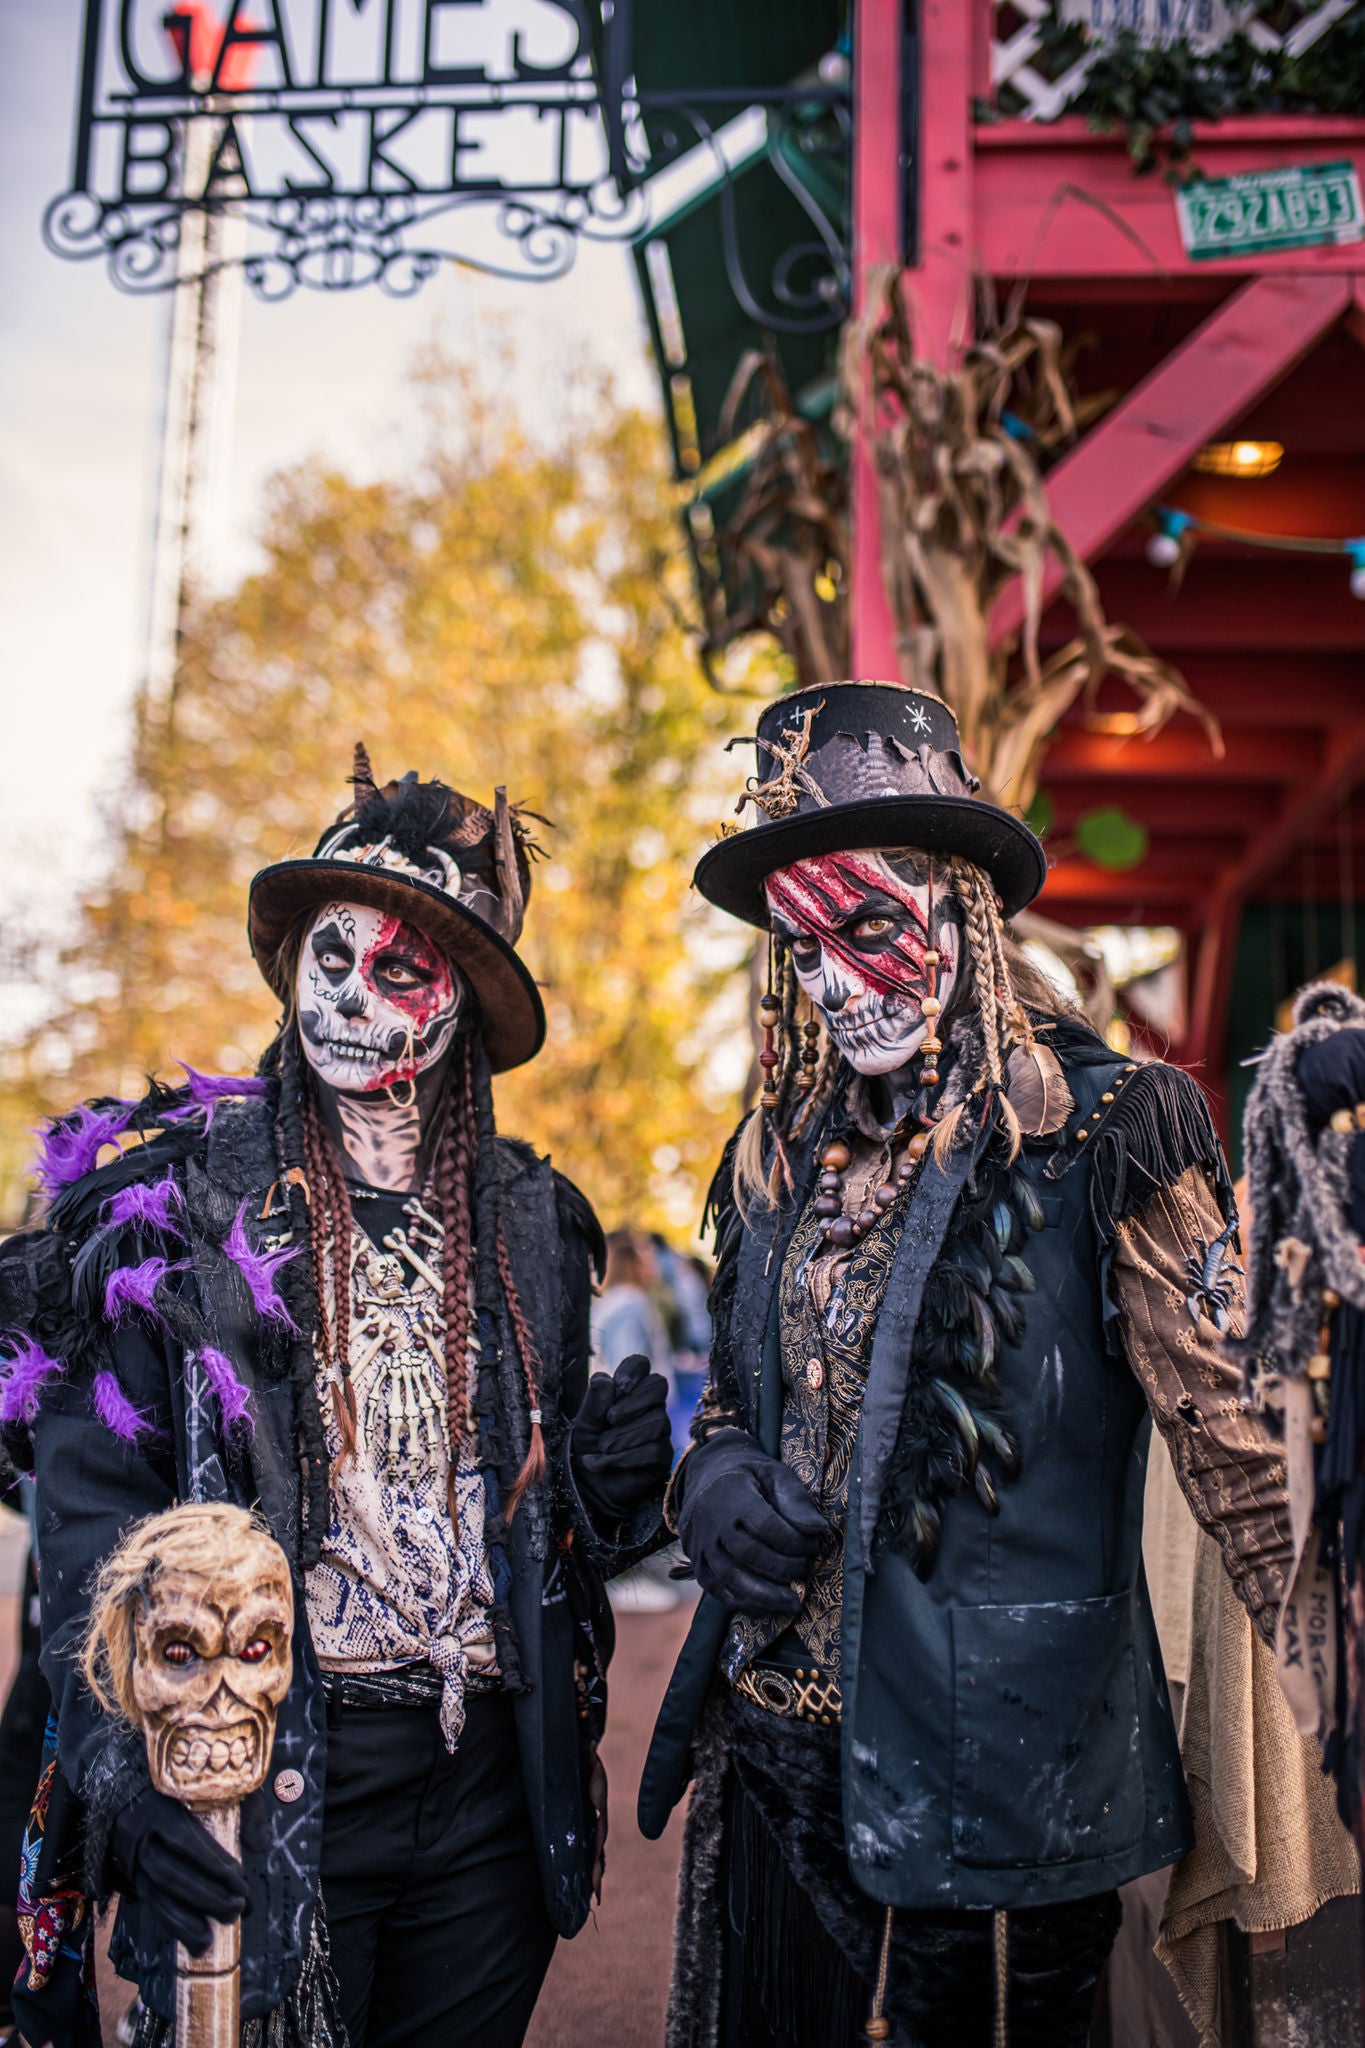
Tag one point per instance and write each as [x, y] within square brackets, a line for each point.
[608, 1988]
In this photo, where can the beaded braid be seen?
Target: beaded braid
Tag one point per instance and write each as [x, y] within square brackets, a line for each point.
[329, 1223]
[300, 1294]
[452, 1176]
[533, 1465]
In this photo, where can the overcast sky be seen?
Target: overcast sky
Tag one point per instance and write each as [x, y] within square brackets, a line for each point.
[81, 369]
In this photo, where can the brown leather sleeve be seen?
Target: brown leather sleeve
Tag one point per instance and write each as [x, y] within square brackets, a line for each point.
[1230, 1468]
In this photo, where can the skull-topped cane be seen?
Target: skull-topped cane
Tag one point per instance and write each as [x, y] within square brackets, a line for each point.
[190, 1640]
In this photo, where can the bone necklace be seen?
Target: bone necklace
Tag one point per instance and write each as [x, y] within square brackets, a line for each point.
[398, 1344]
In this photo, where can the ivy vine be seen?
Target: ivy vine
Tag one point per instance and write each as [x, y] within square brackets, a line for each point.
[1155, 93]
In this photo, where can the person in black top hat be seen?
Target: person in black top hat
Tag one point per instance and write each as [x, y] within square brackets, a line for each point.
[333, 1293]
[963, 1250]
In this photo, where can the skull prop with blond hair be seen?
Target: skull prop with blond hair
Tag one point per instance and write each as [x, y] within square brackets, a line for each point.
[189, 1640]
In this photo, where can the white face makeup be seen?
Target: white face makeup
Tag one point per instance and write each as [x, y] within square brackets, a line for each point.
[859, 925]
[377, 1001]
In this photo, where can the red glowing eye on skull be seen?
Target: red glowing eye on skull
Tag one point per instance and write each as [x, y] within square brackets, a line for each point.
[256, 1652]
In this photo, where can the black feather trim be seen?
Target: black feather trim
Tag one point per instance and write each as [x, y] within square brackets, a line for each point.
[973, 1306]
[578, 1217]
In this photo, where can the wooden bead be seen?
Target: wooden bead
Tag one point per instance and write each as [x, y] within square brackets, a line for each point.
[932, 1045]
[830, 1183]
[917, 1144]
[931, 1006]
[884, 1196]
[1330, 1298]
[1320, 1366]
[929, 1076]
[878, 2028]
[836, 1155]
[931, 958]
[1343, 1120]
[770, 1012]
[828, 1205]
[767, 1060]
[841, 1232]
[866, 1218]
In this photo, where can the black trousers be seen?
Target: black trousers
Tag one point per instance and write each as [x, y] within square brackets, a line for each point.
[430, 1881]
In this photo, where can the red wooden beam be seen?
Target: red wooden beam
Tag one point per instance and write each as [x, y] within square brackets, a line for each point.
[1168, 807]
[939, 288]
[1055, 201]
[1341, 767]
[1182, 751]
[1130, 457]
[1250, 687]
[877, 240]
[1274, 604]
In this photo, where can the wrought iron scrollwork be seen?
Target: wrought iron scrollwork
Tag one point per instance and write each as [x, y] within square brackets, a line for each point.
[155, 148]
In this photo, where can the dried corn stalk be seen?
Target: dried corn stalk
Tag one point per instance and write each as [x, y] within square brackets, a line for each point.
[774, 559]
[964, 510]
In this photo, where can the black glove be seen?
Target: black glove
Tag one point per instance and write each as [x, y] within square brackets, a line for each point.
[748, 1525]
[1331, 1076]
[620, 1443]
[169, 1862]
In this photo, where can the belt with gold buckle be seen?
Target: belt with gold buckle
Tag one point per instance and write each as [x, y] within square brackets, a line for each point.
[807, 1694]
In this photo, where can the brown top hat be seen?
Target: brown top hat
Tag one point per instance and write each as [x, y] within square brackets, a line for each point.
[846, 765]
[454, 868]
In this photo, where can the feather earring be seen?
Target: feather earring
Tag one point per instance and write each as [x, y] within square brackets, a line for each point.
[1036, 1089]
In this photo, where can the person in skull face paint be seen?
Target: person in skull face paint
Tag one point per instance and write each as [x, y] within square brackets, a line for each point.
[334, 1294]
[963, 1249]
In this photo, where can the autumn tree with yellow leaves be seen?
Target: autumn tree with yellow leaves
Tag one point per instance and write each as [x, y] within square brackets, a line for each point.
[509, 612]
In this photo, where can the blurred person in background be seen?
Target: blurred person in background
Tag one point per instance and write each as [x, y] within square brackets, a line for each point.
[333, 1293]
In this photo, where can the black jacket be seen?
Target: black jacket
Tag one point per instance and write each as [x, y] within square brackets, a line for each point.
[1006, 1735]
[548, 1562]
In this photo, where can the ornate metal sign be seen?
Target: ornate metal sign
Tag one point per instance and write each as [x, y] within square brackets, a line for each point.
[370, 141]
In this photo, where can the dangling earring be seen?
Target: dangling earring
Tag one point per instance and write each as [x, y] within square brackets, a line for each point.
[769, 1016]
[931, 1046]
[409, 1060]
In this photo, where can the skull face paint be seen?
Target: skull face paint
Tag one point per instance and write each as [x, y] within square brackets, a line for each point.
[211, 1664]
[858, 928]
[377, 1001]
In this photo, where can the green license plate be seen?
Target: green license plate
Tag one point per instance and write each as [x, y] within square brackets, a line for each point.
[1304, 206]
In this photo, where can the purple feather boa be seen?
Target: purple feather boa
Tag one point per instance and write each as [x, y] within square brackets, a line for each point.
[116, 1411]
[131, 1290]
[69, 1147]
[147, 1205]
[208, 1090]
[21, 1387]
[258, 1269]
[234, 1403]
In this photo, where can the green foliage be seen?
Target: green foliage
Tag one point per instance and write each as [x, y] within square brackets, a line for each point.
[1112, 839]
[505, 614]
[1156, 92]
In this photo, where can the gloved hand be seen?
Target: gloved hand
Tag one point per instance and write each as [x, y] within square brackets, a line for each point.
[1331, 1076]
[620, 1444]
[168, 1861]
[748, 1526]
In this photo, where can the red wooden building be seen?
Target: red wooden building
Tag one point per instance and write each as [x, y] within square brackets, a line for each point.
[1253, 855]
[961, 163]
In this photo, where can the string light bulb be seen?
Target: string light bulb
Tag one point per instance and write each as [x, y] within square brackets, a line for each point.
[1163, 549]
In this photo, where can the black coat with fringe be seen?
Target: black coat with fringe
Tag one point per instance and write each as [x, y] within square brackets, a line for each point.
[548, 1563]
[1007, 1738]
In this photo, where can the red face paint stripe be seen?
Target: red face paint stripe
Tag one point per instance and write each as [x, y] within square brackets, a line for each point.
[806, 892]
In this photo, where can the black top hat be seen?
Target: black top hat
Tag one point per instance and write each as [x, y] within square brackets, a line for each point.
[451, 866]
[846, 765]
